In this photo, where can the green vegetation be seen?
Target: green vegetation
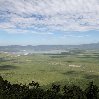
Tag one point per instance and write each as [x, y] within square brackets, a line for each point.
[74, 67]
[34, 91]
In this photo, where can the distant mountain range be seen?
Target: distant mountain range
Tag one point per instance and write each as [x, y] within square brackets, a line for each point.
[30, 48]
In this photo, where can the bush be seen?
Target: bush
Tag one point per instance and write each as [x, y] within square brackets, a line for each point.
[33, 91]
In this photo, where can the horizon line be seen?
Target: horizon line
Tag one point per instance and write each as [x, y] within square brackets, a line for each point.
[50, 44]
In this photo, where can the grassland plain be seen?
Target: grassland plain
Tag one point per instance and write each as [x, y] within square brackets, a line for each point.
[78, 69]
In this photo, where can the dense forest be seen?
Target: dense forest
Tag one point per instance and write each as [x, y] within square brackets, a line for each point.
[34, 91]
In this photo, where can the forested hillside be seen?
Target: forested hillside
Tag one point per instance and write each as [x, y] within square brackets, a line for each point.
[34, 91]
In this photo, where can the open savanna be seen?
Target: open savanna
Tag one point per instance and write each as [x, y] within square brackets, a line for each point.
[77, 68]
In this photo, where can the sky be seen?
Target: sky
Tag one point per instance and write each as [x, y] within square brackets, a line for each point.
[49, 22]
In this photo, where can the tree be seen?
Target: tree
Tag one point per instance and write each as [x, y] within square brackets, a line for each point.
[92, 91]
[73, 92]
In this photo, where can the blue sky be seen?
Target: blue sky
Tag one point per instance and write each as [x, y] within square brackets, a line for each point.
[49, 22]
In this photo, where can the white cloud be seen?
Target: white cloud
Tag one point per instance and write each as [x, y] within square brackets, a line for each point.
[77, 36]
[20, 31]
[49, 15]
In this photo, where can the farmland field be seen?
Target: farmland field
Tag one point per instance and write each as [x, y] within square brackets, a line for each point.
[77, 68]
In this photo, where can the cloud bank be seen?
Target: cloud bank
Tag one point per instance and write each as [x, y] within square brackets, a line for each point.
[49, 15]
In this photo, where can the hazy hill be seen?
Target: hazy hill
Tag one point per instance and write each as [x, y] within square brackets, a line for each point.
[18, 48]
